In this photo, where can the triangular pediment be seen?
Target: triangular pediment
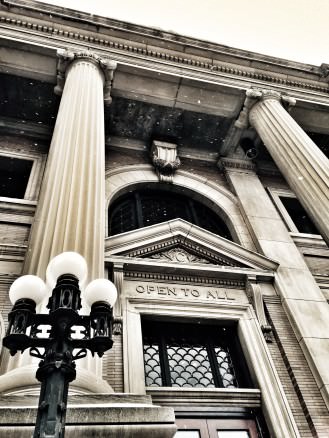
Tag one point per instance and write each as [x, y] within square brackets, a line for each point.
[180, 242]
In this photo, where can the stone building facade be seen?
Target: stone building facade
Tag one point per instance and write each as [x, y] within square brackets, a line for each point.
[195, 177]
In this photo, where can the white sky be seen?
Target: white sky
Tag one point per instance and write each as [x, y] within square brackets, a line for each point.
[290, 29]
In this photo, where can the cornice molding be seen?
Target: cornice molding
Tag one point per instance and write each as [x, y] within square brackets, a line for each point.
[115, 49]
[140, 31]
[187, 278]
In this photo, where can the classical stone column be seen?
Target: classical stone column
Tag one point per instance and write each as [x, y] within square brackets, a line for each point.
[70, 214]
[300, 161]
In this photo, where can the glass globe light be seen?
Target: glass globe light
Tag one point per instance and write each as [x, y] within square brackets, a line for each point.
[100, 290]
[28, 286]
[69, 262]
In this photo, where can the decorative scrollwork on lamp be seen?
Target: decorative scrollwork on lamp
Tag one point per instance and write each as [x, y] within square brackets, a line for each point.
[69, 337]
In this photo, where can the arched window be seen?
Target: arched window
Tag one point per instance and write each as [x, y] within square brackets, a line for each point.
[148, 207]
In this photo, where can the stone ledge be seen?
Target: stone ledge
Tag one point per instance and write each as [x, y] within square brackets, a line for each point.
[220, 397]
[92, 416]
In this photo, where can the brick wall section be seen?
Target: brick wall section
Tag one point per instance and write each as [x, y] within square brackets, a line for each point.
[5, 308]
[5, 304]
[113, 365]
[306, 402]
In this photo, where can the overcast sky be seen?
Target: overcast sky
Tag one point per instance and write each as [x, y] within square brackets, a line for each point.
[291, 29]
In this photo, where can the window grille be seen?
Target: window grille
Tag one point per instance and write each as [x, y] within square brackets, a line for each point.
[192, 355]
[148, 207]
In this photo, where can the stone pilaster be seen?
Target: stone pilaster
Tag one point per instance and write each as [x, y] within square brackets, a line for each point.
[303, 301]
[300, 161]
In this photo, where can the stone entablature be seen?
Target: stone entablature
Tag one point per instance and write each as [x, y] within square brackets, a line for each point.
[220, 65]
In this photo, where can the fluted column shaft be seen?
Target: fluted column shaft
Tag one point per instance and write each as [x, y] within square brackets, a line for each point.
[299, 159]
[70, 212]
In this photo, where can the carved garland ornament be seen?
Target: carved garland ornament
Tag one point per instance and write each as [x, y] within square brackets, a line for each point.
[178, 256]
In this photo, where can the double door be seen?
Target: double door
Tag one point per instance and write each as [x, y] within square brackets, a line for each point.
[221, 428]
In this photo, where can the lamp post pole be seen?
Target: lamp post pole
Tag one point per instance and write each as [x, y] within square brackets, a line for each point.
[65, 342]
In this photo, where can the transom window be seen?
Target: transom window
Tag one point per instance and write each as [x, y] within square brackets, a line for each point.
[148, 207]
[192, 355]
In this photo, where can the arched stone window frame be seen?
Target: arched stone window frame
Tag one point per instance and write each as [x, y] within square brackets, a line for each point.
[119, 181]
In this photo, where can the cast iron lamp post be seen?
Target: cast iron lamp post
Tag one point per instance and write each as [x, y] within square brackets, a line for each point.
[69, 337]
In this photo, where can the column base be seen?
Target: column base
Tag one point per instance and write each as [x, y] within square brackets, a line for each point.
[97, 416]
[22, 380]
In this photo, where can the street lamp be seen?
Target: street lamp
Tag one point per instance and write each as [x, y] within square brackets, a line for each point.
[69, 337]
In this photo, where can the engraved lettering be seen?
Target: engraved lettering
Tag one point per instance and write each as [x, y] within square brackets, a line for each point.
[150, 289]
[195, 293]
[221, 294]
[229, 297]
[140, 289]
[162, 290]
[172, 291]
[211, 295]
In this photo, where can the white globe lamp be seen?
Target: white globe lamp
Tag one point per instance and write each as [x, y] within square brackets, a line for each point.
[100, 290]
[69, 262]
[28, 287]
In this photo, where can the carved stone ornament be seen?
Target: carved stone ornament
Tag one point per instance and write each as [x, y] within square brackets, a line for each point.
[165, 160]
[253, 95]
[66, 57]
[255, 296]
[178, 255]
[324, 69]
[117, 326]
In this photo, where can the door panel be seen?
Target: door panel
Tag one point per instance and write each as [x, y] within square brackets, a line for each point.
[191, 428]
[223, 428]
[232, 429]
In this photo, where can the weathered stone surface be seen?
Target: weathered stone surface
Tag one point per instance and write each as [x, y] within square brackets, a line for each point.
[103, 415]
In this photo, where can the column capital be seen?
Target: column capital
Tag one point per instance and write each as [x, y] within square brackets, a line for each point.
[264, 94]
[230, 164]
[67, 57]
[255, 95]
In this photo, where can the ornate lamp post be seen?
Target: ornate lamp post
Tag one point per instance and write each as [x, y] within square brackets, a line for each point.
[70, 334]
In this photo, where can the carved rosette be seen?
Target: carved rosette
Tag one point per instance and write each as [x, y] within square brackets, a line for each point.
[67, 57]
[165, 160]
